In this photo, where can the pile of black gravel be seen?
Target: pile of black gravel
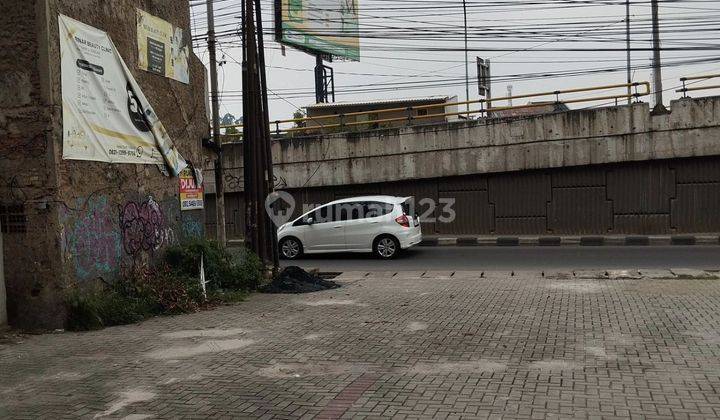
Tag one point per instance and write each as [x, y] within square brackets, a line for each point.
[294, 280]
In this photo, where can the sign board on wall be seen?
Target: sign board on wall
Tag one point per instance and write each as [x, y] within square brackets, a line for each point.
[319, 26]
[191, 194]
[106, 116]
[162, 48]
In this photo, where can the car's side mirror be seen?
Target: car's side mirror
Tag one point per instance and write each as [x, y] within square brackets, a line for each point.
[310, 221]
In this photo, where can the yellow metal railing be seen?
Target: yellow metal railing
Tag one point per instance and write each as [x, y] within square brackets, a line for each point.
[485, 107]
[686, 89]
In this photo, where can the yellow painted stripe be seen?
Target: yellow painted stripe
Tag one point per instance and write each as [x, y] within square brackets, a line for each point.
[133, 140]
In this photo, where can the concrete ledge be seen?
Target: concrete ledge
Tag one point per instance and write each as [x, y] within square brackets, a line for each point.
[447, 241]
[524, 240]
[660, 240]
[549, 241]
[610, 240]
[467, 241]
[570, 240]
[707, 240]
[429, 242]
[592, 241]
[487, 241]
[637, 240]
[683, 240]
[508, 241]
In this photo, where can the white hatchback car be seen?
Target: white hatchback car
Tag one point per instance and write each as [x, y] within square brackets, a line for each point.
[382, 225]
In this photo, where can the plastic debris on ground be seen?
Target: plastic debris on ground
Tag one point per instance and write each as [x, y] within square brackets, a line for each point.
[295, 280]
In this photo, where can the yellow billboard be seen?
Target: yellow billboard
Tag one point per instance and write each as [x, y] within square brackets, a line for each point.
[162, 48]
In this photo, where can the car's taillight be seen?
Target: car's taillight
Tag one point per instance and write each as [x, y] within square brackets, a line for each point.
[403, 221]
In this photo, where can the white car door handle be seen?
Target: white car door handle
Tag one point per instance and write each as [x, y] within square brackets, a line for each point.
[337, 227]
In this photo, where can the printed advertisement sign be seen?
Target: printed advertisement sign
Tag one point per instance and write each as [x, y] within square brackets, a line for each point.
[321, 26]
[106, 117]
[163, 48]
[191, 195]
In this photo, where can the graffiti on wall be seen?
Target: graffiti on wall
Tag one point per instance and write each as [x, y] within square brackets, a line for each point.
[235, 183]
[280, 181]
[144, 228]
[92, 239]
[192, 228]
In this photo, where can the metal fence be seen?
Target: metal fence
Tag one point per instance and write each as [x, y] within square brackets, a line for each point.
[338, 122]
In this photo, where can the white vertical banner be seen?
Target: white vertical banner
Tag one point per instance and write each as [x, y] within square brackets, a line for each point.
[106, 117]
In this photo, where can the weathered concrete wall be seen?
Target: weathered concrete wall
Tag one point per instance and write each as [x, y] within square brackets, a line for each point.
[649, 197]
[575, 138]
[86, 220]
[617, 169]
[28, 120]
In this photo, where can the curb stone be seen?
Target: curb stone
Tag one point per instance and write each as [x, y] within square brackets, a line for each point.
[588, 241]
[508, 241]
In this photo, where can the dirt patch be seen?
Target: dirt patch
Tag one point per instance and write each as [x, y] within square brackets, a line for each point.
[333, 302]
[417, 326]
[553, 365]
[315, 336]
[597, 351]
[295, 280]
[299, 370]
[457, 367]
[577, 286]
[127, 398]
[211, 333]
[212, 346]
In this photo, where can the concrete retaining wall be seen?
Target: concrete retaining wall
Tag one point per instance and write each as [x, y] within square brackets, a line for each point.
[659, 197]
[574, 138]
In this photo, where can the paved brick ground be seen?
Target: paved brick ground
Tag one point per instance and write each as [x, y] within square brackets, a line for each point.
[404, 345]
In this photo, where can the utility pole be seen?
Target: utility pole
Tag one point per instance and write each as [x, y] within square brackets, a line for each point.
[214, 96]
[657, 64]
[627, 46]
[260, 234]
[467, 71]
[269, 180]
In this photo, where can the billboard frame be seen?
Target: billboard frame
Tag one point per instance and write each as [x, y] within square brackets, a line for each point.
[281, 38]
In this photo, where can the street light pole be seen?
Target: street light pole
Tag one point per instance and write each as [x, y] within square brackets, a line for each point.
[467, 71]
[657, 64]
[219, 187]
[627, 46]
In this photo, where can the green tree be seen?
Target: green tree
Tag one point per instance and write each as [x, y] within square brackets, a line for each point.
[297, 115]
[229, 119]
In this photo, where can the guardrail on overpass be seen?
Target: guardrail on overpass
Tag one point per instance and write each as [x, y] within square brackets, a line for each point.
[572, 138]
[334, 123]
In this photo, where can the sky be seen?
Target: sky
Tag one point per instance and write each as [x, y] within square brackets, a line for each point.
[415, 48]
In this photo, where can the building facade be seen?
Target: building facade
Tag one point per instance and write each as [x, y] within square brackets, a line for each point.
[69, 222]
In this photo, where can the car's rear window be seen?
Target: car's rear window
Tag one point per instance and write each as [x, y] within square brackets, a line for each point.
[406, 207]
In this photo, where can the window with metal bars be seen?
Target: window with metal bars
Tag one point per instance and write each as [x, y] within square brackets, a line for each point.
[13, 218]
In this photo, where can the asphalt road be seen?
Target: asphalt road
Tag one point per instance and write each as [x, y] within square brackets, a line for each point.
[523, 258]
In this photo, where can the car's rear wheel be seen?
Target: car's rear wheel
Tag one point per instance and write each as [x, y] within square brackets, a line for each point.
[386, 247]
[291, 248]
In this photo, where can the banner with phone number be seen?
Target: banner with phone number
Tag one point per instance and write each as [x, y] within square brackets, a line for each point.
[106, 117]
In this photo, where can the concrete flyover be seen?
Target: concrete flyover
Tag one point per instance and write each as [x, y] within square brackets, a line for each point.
[613, 170]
